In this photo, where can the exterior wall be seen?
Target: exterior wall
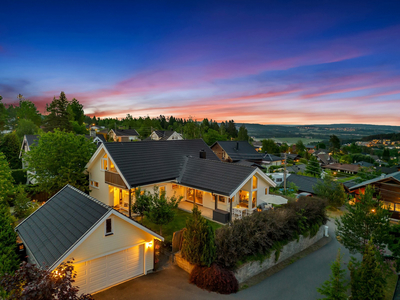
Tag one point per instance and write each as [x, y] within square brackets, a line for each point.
[217, 149]
[183, 263]
[175, 136]
[251, 269]
[95, 173]
[124, 235]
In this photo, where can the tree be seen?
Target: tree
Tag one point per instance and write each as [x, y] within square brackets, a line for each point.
[76, 111]
[321, 145]
[27, 110]
[334, 143]
[212, 136]
[59, 158]
[330, 190]
[143, 202]
[10, 146]
[8, 241]
[336, 287]
[59, 115]
[394, 243]
[23, 206]
[368, 279]
[313, 168]
[198, 246]
[283, 148]
[300, 148]
[365, 220]
[386, 155]
[243, 135]
[3, 115]
[6, 179]
[162, 208]
[31, 282]
[269, 146]
[25, 127]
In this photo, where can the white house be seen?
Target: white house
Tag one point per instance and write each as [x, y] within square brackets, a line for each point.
[186, 168]
[123, 135]
[108, 248]
[167, 135]
[28, 141]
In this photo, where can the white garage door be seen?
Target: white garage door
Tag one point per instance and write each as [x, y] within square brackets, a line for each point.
[100, 273]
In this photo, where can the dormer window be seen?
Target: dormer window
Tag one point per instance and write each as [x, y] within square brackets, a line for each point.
[104, 163]
[108, 229]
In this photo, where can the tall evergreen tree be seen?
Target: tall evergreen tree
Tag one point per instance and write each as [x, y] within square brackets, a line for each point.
[336, 287]
[3, 115]
[6, 179]
[27, 110]
[59, 115]
[76, 111]
[10, 146]
[8, 241]
[313, 168]
[243, 135]
[334, 143]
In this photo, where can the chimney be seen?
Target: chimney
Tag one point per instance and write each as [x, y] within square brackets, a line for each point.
[203, 154]
[92, 133]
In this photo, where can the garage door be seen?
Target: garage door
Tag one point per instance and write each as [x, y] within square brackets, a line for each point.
[100, 273]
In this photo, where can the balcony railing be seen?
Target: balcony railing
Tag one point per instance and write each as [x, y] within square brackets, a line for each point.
[114, 179]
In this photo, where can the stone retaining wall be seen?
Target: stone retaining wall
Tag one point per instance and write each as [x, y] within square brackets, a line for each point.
[253, 268]
[183, 263]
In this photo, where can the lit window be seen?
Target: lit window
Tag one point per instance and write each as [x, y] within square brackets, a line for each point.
[108, 229]
[221, 199]
[266, 191]
[254, 200]
[255, 182]
[94, 184]
[162, 189]
[104, 163]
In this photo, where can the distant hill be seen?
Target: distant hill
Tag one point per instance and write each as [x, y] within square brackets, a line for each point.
[387, 136]
[346, 132]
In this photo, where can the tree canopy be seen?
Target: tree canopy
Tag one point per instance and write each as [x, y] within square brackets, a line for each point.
[59, 116]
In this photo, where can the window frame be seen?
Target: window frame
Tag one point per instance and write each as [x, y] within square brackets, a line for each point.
[93, 184]
[105, 227]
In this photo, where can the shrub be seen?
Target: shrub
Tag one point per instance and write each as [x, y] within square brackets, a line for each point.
[198, 245]
[214, 279]
[263, 232]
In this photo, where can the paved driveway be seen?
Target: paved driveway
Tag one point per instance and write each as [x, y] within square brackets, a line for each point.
[297, 281]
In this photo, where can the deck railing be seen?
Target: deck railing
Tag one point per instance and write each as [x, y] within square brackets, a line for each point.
[114, 179]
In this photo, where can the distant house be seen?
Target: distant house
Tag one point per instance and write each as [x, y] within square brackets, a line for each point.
[343, 168]
[28, 142]
[108, 248]
[167, 135]
[325, 159]
[364, 164]
[304, 183]
[231, 151]
[271, 160]
[386, 186]
[297, 168]
[123, 135]
[291, 156]
[388, 170]
[257, 146]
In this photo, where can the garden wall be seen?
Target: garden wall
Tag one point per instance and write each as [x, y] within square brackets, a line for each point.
[183, 263]
[253, 268]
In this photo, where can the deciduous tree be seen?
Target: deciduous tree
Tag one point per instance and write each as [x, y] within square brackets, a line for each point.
[330, 190]
[143, 202]
[10, 146]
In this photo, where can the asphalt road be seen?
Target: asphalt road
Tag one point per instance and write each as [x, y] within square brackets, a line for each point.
[298, 281]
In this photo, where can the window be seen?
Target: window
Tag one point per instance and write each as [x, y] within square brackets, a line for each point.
[112, 167]
[254, 200]
[243, 198]
[104, 163]
[190, 194]
[199, 197]
[266, 191]
[108, 229]
[162, 189]
[255, 182]
[396, 207]
[388, 205]
[222, 199]
[94, 184]
[278, 179]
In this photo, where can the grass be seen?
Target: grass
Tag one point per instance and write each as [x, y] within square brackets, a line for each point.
[177, 224]
[391, 286]
[344, 179]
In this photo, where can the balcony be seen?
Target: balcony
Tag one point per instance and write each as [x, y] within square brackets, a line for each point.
[114, 179]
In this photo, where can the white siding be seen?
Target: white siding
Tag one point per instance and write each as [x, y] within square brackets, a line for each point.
[96, 174]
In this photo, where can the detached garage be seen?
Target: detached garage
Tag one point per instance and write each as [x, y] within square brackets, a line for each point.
[108, 248]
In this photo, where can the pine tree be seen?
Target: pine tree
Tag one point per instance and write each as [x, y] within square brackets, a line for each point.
[6, 179]
[10, 146]
[8, 242]
[198, 246]
[313, 168]
[336, 287]
[59, 115]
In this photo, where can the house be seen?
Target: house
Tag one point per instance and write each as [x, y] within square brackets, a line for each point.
[107, 247]
[364, 164]
[257, 146]
[291, 156]
[325, 159]
[277, 177]
[304, 183]
[166, 135]
[344, 168]
[123, 135]
[271, 160]
[184, 168]
[231, 151]
[388, 189]
[388, 170]
[298, 168]
[28, 142]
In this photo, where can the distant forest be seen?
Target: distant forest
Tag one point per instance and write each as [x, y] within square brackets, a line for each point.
[383, 136]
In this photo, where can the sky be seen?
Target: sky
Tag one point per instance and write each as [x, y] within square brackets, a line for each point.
[267, 62]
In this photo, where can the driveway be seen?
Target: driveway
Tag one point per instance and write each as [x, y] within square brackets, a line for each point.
[297, 281]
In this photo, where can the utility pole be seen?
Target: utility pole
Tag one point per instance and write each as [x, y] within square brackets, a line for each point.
[284, 175]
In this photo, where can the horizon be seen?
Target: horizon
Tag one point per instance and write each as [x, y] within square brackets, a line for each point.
[293, 64]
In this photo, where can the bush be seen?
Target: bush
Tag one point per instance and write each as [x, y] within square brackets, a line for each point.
[262, 232]
[214, 279]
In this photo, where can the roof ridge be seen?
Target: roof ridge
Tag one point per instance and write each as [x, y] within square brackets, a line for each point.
[182, 171]
[223, 162]
[89, 197]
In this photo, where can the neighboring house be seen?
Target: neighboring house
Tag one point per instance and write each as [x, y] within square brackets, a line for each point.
[98, 138]
[271, 160]
[186, 168]
[388, 170]
[364, 164]
[343, 168]
[231, 151]
[291, 156]
[107, 247]
[123, 135]
[297, 168]
[168, 135]
[325, 159]
[257, 146]
[27, 143]
[388, 189]
[277, 177]
[304, 183]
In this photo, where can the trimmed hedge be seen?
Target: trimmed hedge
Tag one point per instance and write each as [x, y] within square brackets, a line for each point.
[214, 279]
[256, 236]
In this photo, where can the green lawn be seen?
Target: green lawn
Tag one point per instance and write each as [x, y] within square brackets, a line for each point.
[344, 179]
[178, 223]
[391, 286]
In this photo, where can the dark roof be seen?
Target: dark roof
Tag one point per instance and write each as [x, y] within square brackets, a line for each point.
[101, 137]
[343, 167]
[304, 183]
[326, 159]
[57, 225]
[238, 150]
[296, 168]
[125, 132]
[363, 164]
[270, 158]
[154, 161]
[395, 175]
[388, 170]
[248, 163]
[213, 176]
[164, 134]
[350, 183]
[291, 156]
[32, 139]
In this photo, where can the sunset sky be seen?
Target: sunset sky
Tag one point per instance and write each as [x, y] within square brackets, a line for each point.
[268, 62]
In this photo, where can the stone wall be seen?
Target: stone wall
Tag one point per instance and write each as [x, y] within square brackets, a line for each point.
[253, 268]
[183, 263]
